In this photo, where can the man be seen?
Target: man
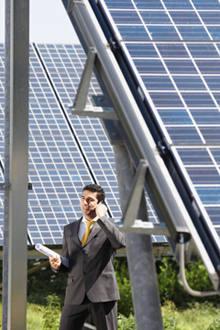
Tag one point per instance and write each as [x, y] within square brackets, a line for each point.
[90, 245]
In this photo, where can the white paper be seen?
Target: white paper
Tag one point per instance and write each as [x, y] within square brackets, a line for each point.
[50, 253]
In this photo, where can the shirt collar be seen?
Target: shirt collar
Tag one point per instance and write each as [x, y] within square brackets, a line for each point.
[84, 219]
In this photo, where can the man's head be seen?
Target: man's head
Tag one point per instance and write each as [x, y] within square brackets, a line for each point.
[92, 195]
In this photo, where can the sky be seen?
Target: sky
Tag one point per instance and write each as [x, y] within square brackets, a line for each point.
[49, 23]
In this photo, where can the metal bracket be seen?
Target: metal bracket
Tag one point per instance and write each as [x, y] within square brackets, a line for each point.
[101, 109]
[5, 186]
[29, 186]
[147, 228]
[134, 199]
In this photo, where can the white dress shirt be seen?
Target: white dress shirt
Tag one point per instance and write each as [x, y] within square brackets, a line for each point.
[83, 227]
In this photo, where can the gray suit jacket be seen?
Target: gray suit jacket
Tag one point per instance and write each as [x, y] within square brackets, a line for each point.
[91, 268]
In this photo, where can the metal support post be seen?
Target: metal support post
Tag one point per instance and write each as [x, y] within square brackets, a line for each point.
[139, 253]
[16, 165]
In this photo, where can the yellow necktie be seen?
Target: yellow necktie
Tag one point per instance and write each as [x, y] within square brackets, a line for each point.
[86, 234]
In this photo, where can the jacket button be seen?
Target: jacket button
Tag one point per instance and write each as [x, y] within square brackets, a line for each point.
[84, 273]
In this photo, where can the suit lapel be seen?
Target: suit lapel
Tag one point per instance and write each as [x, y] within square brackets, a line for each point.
[95, 229]
[75, 231]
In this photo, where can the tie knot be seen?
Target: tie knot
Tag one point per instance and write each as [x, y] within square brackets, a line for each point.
[89, 223]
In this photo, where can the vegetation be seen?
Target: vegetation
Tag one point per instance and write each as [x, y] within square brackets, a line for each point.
[52, 313]
[180, 311]
[170, 288]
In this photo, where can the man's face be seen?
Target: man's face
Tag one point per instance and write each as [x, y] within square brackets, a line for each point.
[88, 203]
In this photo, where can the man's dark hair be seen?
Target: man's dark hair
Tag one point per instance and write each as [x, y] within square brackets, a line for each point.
[96, 188]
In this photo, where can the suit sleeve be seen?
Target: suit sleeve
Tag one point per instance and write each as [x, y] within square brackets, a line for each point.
[63, 269]
[116, 237]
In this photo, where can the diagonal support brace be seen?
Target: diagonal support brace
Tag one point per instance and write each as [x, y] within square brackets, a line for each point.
[83, 89]
[147, 228]
[132, 206]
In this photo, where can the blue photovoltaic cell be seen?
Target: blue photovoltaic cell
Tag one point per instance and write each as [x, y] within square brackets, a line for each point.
[189, 83]
[211, 134]
[143, 50]
[166, 99]
[206, 116]
[216, 154]
[185, 17]
[193, 32]
[158, 83]
[203, 51]
[184, 135]
[195, 156]
[120, 4]
[209, 195]
[208, 66]
[217, 98]
[172, 51]
[136, 32]
[213, 213]
[181, 66]
[178, 4]
[149, 66]
[204, 175]
[155, 17]
[163, 32]
[175, 116]
[214, 32]
[213, 82]
[206, 4]
[210, 17]
[126, 17]
[150, 4]
[202, 100]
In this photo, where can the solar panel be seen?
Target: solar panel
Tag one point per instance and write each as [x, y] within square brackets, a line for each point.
[64, 64]
[66, 152]
[172, 48]
[89, 131]
[57, 168]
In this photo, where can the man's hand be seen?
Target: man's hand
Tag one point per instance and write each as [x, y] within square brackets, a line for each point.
[100, 210]
[55, 262]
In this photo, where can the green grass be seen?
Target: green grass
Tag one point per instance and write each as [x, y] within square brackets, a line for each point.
[198, 316]
[35, 317]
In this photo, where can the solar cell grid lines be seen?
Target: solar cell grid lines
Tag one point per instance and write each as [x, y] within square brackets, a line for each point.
[88, 131]
[173, 48]
[66, 152]
[57, 169]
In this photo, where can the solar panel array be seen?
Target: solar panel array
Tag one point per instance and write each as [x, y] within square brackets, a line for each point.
[66, 151]
[173, 47]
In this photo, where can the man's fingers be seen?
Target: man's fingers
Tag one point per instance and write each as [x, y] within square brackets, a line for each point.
[101, 210]
[55, 262]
